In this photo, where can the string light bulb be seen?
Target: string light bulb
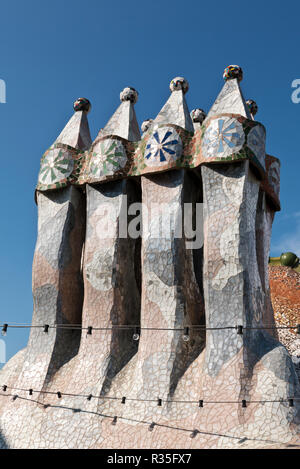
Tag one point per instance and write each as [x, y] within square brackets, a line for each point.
[137, 333]
[151, 427]
[289, 401]
[186, 334]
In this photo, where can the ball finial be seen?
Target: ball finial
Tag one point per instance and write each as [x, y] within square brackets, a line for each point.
[253, 108]
[179, 83]
[82, 104]
[198, 115]
[129, 94]
[289, 259]
[233, 71]
[146, 125]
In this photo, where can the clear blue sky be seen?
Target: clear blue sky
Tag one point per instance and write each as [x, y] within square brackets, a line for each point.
[55, 51]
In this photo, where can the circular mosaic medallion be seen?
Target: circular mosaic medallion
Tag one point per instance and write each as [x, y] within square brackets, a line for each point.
[222, 138]
[164, 146]
[256, 141]
[56, 165]
[108, 157]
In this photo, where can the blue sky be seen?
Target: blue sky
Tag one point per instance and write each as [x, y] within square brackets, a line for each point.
[52, 52]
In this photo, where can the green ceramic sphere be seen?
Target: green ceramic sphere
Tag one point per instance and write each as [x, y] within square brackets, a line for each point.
[289, 259]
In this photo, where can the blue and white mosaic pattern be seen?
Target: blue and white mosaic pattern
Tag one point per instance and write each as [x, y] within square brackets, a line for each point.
[222, 138]
[108, 157]
[56, 165]
[164, 146]
[256, 141]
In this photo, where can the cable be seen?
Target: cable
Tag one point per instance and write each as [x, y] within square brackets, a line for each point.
[185, 329]
[159, 401]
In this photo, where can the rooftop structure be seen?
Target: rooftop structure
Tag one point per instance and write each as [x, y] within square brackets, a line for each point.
[161, 331]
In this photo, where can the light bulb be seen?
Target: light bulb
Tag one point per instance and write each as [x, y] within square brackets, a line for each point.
[137, 332]
[186, 334]
[151, 428]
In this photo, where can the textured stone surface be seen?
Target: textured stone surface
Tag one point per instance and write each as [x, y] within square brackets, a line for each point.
[171, 296]
[233, 288]
[176, 112]
[106, 390]
[230, 100]
[123, 123]
[57, 285]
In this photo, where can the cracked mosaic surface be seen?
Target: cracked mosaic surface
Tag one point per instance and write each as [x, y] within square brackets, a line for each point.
[85, 272]
[164, 148]
[216, 366]
[256, 141]
[230, 100]
[274, 176]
